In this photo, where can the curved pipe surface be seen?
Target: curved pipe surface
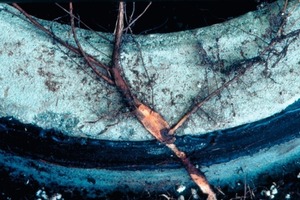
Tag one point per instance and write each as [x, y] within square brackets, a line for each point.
[119, 164]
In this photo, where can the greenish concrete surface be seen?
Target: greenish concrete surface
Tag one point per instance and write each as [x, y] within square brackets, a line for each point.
[44, 84]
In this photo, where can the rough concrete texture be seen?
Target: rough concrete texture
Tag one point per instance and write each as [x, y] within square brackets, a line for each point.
[43, 83]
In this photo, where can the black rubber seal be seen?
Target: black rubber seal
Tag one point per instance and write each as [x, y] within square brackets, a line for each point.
[33, 142]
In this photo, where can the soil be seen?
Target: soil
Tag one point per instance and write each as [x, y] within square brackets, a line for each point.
[288, 187]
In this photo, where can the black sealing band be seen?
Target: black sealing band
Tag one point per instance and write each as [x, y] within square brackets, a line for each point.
[217, 147]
